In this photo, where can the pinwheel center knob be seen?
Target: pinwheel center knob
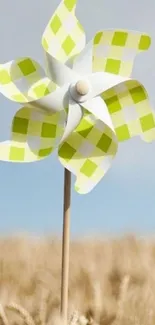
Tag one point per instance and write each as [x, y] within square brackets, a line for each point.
[82, 87]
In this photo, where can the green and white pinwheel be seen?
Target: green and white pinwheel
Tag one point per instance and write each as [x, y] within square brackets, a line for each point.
[85, 102]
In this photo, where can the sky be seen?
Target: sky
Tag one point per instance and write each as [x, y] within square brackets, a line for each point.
[31, 195]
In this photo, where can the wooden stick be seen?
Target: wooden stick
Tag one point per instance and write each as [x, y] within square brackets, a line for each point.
[65, 245]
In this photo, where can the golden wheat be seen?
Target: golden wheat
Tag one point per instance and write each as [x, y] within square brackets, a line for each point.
[122, 297]
[25, 315]
[73, 319]
[111, 282]
[3, 317]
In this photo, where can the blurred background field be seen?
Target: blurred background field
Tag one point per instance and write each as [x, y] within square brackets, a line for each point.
[112, 281]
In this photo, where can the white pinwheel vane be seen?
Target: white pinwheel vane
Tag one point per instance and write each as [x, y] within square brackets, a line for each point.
[84, 104]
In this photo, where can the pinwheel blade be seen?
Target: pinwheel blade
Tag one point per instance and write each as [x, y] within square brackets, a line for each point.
[34, 136]
[74, 116]
[64, 36]
[114, 51]
[88, 152]
[24, 80]
[58, 72]
[56, 101]
[130, 111]
[83, 62]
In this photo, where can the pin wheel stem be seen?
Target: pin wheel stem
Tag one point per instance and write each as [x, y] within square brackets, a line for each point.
[65, 245]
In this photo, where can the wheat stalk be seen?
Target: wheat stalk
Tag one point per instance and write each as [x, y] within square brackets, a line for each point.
[3, 316]
[73, 318]
[97, 298]
[43, 307]
[83, 320]
[22, 312]
[123, 290]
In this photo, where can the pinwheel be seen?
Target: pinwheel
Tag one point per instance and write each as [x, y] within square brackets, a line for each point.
[83, 105]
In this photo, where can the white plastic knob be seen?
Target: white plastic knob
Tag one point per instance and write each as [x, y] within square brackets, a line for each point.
[82, 87]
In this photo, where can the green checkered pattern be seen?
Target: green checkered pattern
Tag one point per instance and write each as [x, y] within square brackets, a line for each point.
[64, 36]
[130, 111]
[114, 51]
[88, 152]
[24, 80]
[34, 135]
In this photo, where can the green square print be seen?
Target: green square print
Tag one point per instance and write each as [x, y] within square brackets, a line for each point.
[55, 24]
[20, 125]
[84, 128]
[68, 45]
[138, 94]
[147, 122]
[5, 78]
[113, 104]
[89, 168]
[17, 154]
[66, 151]
[122, 132]
[104, 143]
[48, 130]
[144, 42]
[113, 66]
[119, 38]
[27, 67]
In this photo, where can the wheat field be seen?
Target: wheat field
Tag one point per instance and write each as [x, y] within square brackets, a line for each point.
[112, 281]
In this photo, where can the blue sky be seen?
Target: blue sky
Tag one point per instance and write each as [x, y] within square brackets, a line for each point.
[31, 195]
